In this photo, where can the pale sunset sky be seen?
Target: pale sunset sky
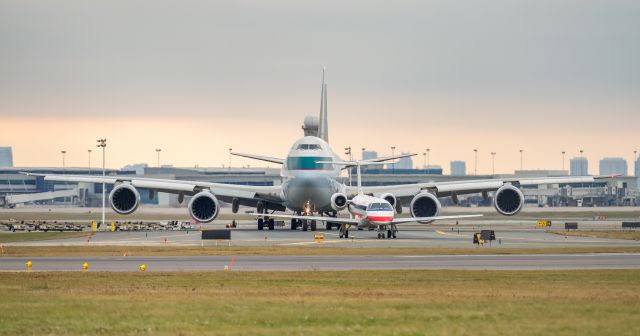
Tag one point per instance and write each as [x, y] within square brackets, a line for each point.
[198, 77]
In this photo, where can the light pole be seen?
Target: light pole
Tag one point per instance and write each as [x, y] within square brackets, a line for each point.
[158, 150]
[521, 160]
[230, 150]
[347, 151]
[425, 160]
[563, 153]
[102, 143]
[393, 165]
[581, 162]
[64, 152]
[428, 156]
[89, 151]
[475, 165]
[493, 163]
[363, 149]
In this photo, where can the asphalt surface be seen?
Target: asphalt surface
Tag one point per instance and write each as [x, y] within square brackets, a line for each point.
[508, 235]
[302, 263]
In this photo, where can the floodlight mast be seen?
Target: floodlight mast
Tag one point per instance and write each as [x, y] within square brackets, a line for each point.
[102, 143]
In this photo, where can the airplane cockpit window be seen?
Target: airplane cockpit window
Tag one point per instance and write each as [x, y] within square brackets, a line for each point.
[380, 207]
[308, 147]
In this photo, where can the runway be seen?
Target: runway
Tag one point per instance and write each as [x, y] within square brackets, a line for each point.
[412, 236]
[327, 263]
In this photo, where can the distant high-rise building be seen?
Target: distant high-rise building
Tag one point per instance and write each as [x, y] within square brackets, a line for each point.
[6, 157]
[458, 168]
[579, 166]
[613, 166]
[637, 170]
[368, 155]
[404, 163]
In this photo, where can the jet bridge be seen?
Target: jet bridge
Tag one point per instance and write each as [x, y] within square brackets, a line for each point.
[12, 200]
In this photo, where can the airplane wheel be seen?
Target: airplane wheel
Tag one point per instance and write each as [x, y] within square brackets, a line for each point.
[313, 225]
[305, 226]
[394, 235]
[260, 224]
[329, 226]
[294, 224]
[346, 234]
[389, 234]
[271, 224]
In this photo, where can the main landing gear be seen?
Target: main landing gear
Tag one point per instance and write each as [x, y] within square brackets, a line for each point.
[344, 231]
[266, 221]
[306, 224]
[331, 225]
[390, 231]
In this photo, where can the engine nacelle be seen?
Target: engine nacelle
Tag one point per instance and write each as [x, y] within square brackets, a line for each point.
[389, 198]
[124, 199]
[508, 200]
[338, 201]
[204, 207]
[425, 204]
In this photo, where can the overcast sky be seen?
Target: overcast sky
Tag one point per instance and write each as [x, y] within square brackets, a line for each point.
[198, 77]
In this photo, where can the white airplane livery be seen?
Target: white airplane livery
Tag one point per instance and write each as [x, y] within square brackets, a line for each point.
[313, 190]
[369, 212]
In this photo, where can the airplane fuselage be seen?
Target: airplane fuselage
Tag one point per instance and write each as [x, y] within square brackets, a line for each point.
[307, 185]
[371, 211]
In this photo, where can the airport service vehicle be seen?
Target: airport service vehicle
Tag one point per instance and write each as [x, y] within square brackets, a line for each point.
[370, 212]
[311, 185]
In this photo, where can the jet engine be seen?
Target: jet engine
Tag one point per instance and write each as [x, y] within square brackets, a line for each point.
[338, 201]
[425, 204]
[389, 198]
[508, 200]
[204, 207]
[124, 199]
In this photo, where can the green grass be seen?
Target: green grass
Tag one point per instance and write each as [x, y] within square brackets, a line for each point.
[323, 303]
[31, 236]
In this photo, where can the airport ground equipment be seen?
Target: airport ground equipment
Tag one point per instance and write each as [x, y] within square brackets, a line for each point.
[488, 235]
[216, 234]
[543, 223]
[630, 225]
[477, 238]
[571, 226]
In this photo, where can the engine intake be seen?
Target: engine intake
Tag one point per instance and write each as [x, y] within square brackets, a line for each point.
[338, 201]
[508, 200]
[124, 199]
[389, 198]
[204, 207]
[425, 204]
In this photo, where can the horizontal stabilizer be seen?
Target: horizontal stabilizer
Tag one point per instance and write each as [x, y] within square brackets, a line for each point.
[259, 157]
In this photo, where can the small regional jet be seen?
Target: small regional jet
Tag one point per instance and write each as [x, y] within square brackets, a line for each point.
[369, 211]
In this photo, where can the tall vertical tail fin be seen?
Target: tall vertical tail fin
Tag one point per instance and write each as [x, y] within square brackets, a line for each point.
[323, 127]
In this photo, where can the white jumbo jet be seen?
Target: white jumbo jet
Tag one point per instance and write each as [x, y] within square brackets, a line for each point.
[311, 184]
[369, 211]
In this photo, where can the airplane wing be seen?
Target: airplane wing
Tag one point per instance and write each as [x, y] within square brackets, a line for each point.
[356, 221]
[443, 189]
[340, 220]
[430, 219]
[225, 192]
[260, 157]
